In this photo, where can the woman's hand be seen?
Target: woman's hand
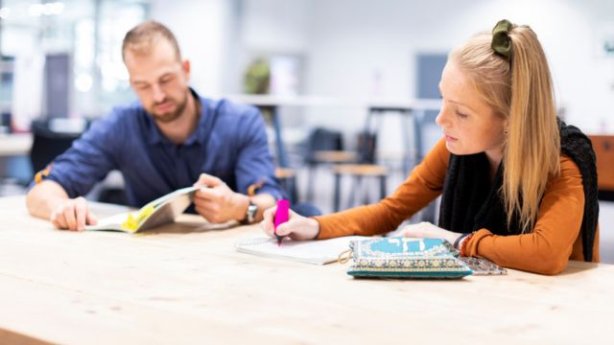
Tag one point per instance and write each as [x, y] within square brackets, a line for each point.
[429, 230]
[297, 227]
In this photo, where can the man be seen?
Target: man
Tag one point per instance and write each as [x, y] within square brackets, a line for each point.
[171, 139]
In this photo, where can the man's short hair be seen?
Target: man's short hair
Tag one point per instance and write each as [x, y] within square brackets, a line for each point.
[142, 37]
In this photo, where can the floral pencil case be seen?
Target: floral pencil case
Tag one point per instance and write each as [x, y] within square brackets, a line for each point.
[404, 257]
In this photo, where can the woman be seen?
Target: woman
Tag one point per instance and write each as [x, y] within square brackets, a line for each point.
[518, 186]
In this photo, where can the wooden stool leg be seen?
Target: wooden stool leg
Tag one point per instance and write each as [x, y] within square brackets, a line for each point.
[357, 192]
[292, 190]
[337, 194]
[382, 187]
[310, 174]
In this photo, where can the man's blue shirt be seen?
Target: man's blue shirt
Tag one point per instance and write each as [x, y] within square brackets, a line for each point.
[229, 142]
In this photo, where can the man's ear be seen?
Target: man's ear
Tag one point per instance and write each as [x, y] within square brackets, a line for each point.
[185, 65]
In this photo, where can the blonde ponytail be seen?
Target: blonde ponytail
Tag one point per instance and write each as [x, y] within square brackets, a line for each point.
[519, 88]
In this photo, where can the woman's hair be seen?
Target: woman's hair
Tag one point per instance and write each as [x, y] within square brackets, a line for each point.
[141, 38]
[518, 88]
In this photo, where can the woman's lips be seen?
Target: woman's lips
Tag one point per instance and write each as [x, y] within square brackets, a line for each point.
[450, 138]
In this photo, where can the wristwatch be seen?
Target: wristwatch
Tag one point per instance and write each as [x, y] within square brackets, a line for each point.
[250, 215]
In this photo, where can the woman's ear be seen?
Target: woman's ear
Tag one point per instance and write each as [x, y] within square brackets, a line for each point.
[506, 126]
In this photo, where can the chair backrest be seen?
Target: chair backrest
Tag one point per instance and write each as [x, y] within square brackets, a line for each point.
[323, 139]
[47, 144]
[366, 147]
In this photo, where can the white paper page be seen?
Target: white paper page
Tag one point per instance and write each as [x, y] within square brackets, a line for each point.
[313, 252]
[110, 223]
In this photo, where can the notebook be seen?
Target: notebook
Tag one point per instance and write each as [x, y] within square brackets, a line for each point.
[318, 252]
[161, 211]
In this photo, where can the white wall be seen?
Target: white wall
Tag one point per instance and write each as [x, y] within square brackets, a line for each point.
[584, 80]
[28, 99]
[364, 48]
[272, 27]
[276, 26]
[205, 32]
[353, 41]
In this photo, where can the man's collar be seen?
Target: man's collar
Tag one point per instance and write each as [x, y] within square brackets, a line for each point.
[200, 132]
[155, 136]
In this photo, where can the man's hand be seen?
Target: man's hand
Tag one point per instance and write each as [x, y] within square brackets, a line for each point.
[216, 202]
[428, 230]
[72, 214]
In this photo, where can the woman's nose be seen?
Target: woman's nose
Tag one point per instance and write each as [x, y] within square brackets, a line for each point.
[441, 118]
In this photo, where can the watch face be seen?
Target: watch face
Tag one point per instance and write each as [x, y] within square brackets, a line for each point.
[252, 209]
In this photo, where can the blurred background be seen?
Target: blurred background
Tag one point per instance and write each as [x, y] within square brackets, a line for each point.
[349, 87]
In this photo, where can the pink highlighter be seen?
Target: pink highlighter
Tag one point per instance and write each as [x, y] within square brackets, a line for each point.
[281, 216]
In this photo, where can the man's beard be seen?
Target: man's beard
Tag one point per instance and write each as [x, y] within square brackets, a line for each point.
[172, 116]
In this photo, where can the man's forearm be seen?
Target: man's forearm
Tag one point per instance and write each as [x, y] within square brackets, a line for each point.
[42, 198]
[263, 201]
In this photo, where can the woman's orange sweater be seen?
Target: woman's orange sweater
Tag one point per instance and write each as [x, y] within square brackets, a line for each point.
[555, 239]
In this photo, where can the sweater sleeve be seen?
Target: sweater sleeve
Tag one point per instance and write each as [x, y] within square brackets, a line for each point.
[547, 248]
[423, 185]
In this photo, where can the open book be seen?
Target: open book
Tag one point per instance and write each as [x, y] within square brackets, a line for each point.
[319, 252]
[158, 212]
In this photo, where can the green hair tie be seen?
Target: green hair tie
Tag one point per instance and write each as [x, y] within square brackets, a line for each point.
[501, 41]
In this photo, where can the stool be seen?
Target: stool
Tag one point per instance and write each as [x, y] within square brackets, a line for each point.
[287, 180]
[358, 172]
[326, 157]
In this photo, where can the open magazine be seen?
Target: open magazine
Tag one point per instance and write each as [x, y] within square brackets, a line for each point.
[161, 211]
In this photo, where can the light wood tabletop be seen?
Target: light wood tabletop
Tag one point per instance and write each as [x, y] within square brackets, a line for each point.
[185, 283]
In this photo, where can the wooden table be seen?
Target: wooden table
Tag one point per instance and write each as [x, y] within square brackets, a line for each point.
[186, 284]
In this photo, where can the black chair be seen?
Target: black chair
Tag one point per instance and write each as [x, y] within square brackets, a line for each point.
[287, 180]
[47, 144]
[322, 139]
[366, 147]
[363, 169]
[324, 146]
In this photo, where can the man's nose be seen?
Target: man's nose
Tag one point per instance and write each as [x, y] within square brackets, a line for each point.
[158, 93]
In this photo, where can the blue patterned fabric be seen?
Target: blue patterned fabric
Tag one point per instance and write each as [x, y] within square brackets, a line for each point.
[403, 257]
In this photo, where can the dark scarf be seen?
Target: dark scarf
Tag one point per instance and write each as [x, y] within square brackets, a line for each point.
[471, 202]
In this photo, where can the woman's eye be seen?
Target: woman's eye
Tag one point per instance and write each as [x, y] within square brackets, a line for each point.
[461, 115]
